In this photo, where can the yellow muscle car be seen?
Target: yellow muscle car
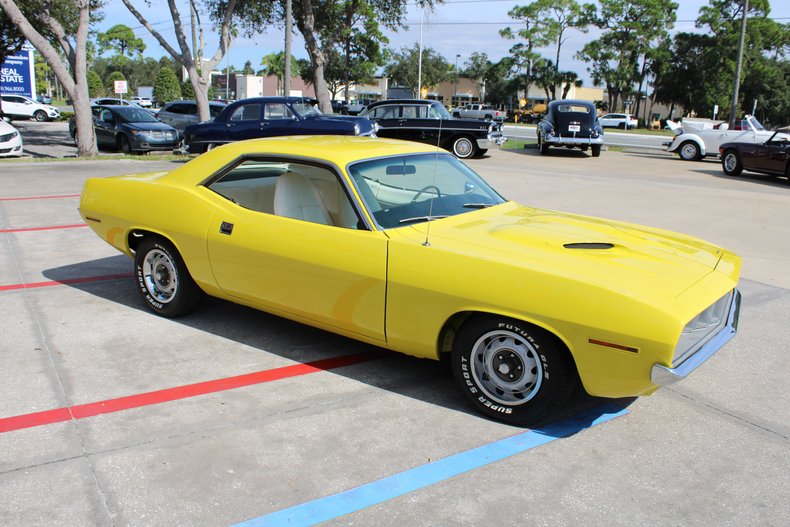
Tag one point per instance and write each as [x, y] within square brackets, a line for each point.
[401, 245]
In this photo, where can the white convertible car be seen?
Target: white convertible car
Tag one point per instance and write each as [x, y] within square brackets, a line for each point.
[698, 138]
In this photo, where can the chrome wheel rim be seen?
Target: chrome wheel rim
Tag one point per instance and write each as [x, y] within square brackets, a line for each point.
[506, 367]
[159, 276]
[730, 162]
[463, 147]
[689, 151]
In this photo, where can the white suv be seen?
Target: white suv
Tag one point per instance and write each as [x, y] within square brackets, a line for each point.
[618, 120]
[145, 102]
[19, 106]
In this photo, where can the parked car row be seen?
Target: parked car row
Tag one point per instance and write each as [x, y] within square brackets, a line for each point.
[10, 140]
[22, 107]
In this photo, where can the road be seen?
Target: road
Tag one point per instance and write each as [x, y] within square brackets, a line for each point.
[627, 139]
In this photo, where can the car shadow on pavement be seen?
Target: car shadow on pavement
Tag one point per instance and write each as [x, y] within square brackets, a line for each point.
[568, 153]
[421, 379]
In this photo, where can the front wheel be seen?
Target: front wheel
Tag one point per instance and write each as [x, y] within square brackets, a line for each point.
[511, 371]
[163, 279]
[596, 150]
[463, 147]
[731, 163]
[124, 145]
[40, 116]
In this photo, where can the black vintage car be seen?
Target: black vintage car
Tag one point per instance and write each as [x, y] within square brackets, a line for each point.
[771, 157]
[268, 117]
[130, 129]
[430, 122]
[572, 124]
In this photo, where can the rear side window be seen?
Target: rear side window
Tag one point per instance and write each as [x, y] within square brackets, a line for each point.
[246, 112]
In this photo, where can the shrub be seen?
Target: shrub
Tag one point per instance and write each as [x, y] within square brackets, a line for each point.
[166, 86]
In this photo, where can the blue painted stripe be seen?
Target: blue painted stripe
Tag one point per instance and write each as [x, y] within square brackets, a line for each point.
[364, 496]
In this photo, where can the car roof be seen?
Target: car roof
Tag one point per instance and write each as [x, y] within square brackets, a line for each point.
[339, 150]
[557, 102]
[401, 101]
[193, 101]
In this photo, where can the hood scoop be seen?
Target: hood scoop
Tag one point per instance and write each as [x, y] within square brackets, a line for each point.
[589, 245]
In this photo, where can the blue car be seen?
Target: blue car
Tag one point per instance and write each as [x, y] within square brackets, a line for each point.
[269, 117]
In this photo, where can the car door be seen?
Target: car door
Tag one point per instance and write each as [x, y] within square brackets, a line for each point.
[105, 128]
[244, 122]
[740, 134]
[13, 105]
[388, 118]
[278, 119]
[332, 274]
[417, 125]
[771, 156]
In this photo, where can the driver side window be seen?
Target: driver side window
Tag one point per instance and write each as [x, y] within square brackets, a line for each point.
[289, 189]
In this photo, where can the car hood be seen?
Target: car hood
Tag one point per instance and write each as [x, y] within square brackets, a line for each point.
[635, 260]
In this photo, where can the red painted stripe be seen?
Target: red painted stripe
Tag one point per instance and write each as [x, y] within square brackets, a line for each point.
[41, 197]
[50, 228]
[59, 415]
[66, 281]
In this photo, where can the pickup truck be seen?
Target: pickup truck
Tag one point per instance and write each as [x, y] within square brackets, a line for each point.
[478, 111]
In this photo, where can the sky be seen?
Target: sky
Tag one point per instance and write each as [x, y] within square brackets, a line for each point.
[457, 27]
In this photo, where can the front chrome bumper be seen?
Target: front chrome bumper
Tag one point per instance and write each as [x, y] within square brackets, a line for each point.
[663, 375]
[494, 139]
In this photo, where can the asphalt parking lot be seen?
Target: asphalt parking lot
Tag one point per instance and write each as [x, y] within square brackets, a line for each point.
[110, 415]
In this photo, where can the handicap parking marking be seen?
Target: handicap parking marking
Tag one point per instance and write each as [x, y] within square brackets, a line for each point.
[353, 500]
[59, 415]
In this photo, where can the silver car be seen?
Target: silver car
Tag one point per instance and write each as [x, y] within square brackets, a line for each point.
[180, 114]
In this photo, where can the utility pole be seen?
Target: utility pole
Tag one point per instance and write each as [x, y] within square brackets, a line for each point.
[419, 61]
[737, 83]
[287, 52]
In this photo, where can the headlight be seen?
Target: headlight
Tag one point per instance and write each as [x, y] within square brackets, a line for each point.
[701, 329]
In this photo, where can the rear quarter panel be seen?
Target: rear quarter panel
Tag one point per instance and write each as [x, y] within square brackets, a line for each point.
[114, 207]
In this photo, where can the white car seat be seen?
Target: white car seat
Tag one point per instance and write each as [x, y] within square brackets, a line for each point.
[295, 197]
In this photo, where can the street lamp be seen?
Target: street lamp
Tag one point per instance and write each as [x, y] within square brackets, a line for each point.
[455, 94]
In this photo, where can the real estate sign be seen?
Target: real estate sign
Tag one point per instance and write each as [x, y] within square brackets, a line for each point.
[18, 74]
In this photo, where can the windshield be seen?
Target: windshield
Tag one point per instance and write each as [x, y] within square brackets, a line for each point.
[414, 188]
[305, 109]
[756, 124]
[130, 114]
[438, 111]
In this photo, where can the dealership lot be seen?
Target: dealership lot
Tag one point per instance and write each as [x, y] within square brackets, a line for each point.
[110, 415]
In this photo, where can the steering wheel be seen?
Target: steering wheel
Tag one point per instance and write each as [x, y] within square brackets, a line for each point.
[423, 189]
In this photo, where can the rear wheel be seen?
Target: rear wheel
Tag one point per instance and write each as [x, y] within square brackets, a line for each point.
[542, 146]
[689, 151]
[511, 371]
[163, 279]
[731, 163]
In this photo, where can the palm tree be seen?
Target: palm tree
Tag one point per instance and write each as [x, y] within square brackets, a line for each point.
[274, 64]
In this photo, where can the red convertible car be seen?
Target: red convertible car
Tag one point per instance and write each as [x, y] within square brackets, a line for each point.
[771, 157]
